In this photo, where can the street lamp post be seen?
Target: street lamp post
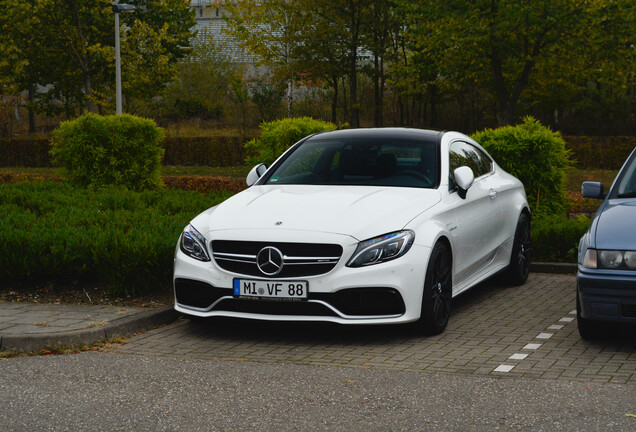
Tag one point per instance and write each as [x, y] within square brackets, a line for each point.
[117, 9]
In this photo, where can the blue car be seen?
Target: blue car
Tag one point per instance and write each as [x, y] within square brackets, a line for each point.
[606, 278]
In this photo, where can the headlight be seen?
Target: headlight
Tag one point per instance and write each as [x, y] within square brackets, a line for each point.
[193, 244]
[381, 249]
[610, 259]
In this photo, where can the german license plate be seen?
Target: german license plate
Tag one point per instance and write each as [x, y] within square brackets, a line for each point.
[271, 289]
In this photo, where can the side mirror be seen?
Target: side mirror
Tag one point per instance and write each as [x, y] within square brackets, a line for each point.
[593, 190]
[255, 173]
[464, 178]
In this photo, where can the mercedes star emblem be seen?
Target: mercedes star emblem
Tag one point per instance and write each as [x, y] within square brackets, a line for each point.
[270, 261]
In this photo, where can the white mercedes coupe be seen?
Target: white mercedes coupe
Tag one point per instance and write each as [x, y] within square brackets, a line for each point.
[360, 226]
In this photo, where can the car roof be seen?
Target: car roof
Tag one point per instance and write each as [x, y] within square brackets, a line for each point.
[383, 133]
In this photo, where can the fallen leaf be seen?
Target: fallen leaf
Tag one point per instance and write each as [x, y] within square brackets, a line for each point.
[630, 415]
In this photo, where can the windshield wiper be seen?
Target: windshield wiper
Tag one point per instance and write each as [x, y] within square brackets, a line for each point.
[631, 194]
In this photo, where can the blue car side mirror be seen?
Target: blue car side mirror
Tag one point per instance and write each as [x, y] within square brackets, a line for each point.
[593, 190]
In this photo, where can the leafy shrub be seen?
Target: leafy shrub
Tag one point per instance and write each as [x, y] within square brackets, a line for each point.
[555, 238]
[119, 150]
[277, 136]
[535, 155]
[55, 232]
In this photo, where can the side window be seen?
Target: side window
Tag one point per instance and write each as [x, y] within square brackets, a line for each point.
[464, 154]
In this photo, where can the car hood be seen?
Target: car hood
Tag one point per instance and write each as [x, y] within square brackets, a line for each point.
[615, 226]
[358, 211]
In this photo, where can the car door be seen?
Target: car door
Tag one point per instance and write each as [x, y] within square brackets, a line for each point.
[478, 215]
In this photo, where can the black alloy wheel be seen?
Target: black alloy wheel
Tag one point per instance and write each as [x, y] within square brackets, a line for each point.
[519, 268]
[438, 287]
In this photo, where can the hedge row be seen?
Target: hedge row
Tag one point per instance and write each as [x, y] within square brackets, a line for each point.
[189, 183]
[204, 151]
[588, 152]
[556, 238]
[112, 235]
[600, 152]
[184, 151]
[25, 152]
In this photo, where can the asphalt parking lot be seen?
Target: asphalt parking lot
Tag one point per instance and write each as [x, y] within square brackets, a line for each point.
[495, 330]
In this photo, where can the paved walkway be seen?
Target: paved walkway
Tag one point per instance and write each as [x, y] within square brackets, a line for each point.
[494, 330]
[32, 327]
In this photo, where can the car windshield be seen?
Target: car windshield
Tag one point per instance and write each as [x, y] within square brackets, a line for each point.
[626, 187]
[399, 162]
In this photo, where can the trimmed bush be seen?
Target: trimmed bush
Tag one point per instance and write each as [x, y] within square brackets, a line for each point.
[556, 238]
[116, 150]
[279, 135]
[535, 155]
[110, 235]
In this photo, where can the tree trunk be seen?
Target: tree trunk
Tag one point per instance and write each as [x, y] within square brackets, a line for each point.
[354, 121]
[31, 97]
[334, 101]
[345, 107]
[381, 101]
[88, 89]
[376, 91]
[290, 98]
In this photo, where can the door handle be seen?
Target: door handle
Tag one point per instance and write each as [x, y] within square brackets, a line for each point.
[492, 193]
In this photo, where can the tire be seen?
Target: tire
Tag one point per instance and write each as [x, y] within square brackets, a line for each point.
[437, 295]
[519, 268]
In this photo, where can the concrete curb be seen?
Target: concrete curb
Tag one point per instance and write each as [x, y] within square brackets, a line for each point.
[558, 268]
[116, 328]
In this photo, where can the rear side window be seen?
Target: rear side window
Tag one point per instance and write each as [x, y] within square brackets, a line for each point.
[465, 154]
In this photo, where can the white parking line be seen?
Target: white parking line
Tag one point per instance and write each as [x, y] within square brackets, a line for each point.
[532, 346]
[518, 356]
[503, 368]
[544, 335]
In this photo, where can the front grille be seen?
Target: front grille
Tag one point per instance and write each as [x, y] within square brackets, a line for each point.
[300, 259]
[628, 310]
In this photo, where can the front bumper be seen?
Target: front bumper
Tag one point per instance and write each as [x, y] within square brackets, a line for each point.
[331, 295]
[606, 295]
